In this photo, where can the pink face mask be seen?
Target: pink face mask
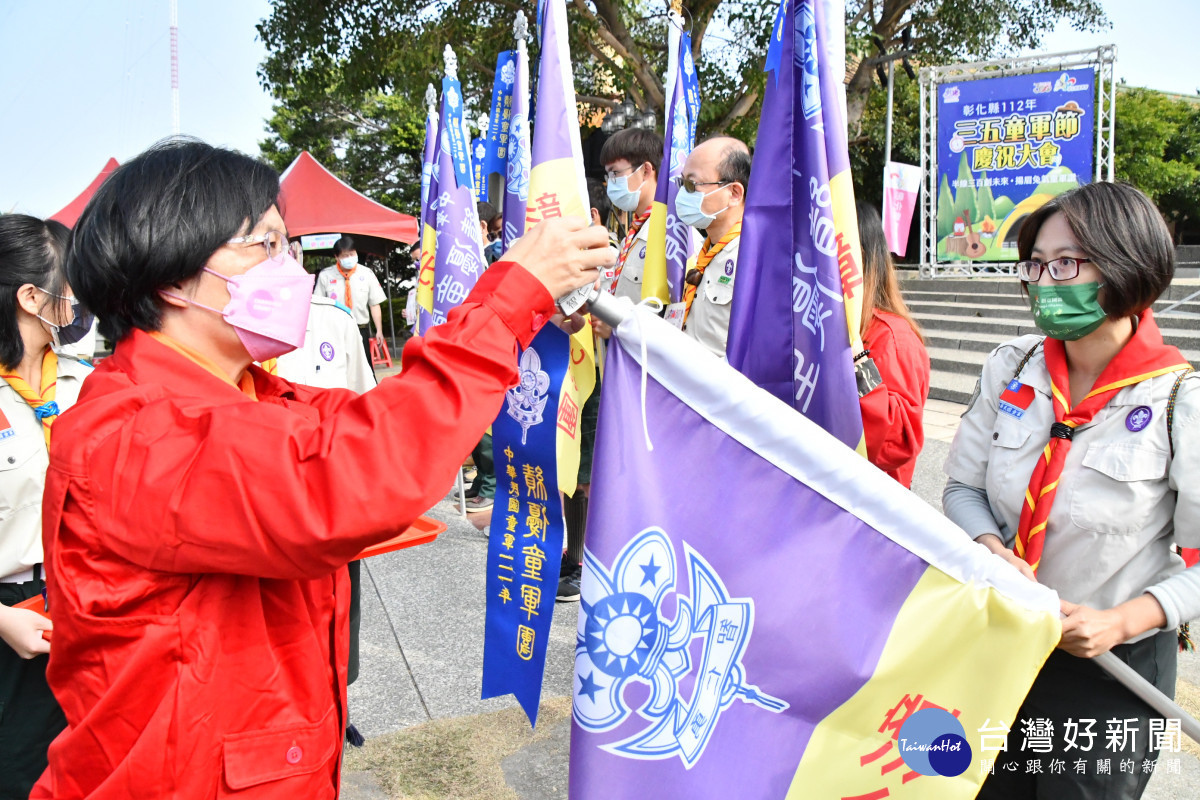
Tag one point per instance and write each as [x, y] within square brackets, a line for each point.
[268, 306]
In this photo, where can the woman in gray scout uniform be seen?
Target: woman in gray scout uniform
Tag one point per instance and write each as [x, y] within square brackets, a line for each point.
[35, 312]
[1076, 462]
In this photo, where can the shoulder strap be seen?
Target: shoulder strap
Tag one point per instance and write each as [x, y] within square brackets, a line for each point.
[1028, 356]
[1171, 409]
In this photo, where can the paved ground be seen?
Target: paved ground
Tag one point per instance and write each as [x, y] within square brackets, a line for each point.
[422, 639]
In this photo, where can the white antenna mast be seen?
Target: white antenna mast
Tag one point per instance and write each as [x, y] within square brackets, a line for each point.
[174, 67]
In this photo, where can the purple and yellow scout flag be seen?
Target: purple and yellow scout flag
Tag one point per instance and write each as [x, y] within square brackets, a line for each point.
[516, 184]
[557, 188]
[671, 242]
[458, 253]
[795, 321]
[840, 639]
[428, 234]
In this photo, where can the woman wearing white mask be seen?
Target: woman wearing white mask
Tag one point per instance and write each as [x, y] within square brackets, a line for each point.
[200, 511]
[712, 198]
[36, 311]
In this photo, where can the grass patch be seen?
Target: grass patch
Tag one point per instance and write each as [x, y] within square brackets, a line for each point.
[455, 758]
[1187, 695]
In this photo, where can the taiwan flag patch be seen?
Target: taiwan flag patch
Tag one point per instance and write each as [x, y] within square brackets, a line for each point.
[1015, 398]
[6, 428]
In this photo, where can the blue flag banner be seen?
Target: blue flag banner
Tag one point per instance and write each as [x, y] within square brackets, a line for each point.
[770, 636]
[516, 184]
[691, 83]
[429, 191]
[479, 177]
[452, 125]
[526, 539]
[495, 158]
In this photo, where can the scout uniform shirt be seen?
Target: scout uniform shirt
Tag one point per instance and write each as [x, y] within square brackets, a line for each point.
[23, 463]
[331, 356]
[629, 282]
[1122, 497]
[708, 320]
[365, 291]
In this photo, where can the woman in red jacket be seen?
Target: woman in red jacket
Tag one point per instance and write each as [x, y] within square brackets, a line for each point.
[895, 393]
[199, 512]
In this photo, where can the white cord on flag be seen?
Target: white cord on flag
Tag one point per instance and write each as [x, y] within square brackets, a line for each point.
[657, 306]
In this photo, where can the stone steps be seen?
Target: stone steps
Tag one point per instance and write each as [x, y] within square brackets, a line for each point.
[965, 319]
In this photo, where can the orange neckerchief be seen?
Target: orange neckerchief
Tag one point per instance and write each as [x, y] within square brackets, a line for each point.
[630, 237]
[245, 383]
[1144, 357]
[703, 260]
[346, 280]
[42, 402]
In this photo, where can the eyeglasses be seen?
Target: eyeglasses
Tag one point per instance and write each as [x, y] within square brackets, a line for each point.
[689, 185]
[274, 242]
[610, 174]
[1061, 269]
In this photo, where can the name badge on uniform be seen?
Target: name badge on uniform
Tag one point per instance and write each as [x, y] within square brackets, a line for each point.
[6, 428]
[1016, 398]
[674, 314]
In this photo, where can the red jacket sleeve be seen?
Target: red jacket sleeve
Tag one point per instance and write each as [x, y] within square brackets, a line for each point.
[258, 489]
[892, 412]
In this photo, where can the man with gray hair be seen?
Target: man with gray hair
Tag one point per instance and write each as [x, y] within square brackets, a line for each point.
[712, 199]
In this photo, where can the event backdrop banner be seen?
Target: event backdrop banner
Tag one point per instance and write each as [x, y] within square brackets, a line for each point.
[1005, 147]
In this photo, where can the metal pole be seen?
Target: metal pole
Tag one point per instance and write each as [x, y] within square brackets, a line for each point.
[387, 277]
[605, 307]
[1149, 693]
[891, 83]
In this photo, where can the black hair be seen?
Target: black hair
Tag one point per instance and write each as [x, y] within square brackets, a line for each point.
[156, 221]
[1122, 231]
[598, 199]
[735, 165]
[635, 145]
[880, 285]
[31, 251]
[343, 245]
[486, 211]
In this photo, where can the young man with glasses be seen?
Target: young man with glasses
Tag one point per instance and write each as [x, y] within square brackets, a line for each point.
[630, 158]
[712, 199]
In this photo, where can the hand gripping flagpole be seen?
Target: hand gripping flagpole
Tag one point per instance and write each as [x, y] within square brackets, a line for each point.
[605, 307]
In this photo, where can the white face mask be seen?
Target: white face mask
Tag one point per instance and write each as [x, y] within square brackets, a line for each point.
[348, 262]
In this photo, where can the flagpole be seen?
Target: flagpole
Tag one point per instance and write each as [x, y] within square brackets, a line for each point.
[1149, 693]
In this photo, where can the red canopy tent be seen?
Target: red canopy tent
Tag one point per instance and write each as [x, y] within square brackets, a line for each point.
[70, 215]
[314, 200]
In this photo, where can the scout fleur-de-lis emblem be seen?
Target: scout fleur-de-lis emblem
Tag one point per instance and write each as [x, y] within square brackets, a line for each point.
[625, 638]
[527, 399]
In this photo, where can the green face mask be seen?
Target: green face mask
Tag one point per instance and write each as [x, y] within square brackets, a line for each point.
[1066, 312]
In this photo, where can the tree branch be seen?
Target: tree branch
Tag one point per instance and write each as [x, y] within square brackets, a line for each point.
[611, 29]
[740, 108]
[607, 102]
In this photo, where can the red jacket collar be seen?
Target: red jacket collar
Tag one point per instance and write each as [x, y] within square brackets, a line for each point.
[145, 361]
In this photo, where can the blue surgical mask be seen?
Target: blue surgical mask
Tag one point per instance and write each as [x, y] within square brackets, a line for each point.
[687, 208]
[73, 331]
[621, 196]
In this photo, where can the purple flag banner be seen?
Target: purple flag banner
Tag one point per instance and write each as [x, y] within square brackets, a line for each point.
[429, 191]
[770, 636]
[795, 313]
[458, 250]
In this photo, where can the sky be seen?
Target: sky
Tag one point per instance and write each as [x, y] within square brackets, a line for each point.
[81, 81]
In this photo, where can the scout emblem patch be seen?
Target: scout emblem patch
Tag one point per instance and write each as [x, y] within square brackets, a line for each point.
[6, 428]
[1138, 419]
